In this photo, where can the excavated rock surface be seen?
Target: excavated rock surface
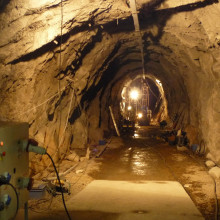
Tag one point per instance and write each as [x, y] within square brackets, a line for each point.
[60, 80]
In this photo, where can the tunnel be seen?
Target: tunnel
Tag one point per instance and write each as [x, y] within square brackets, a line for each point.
[64, 66]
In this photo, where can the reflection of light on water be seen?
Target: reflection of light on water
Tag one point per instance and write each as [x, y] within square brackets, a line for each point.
[138, 157]
[139, 172]
[136, 160]
[124, 159]
[139, 167]
[138, 164]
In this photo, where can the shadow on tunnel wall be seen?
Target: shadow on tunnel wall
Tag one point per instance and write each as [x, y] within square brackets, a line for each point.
[3, 4]
[149, 16]
[106, 77]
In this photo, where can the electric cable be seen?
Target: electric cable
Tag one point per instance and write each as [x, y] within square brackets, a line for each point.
[85, 124]
[60, 66]
[44, 102]
[61, 139]
[58, 178]
[41, 202]
[151, 89]
[17, 198]
[157, 103]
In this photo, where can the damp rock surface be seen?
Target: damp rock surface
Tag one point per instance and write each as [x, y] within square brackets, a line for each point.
[62, 63]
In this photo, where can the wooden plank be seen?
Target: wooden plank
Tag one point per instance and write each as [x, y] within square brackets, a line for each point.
[114, 122]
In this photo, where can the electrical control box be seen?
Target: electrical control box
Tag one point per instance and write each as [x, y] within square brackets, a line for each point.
[14, 162]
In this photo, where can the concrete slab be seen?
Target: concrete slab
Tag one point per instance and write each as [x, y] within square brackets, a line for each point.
[136, 200]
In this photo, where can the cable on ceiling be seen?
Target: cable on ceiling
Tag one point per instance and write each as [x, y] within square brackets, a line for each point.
[138, 31]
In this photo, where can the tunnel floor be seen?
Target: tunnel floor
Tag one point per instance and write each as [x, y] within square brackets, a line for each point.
[145, 157]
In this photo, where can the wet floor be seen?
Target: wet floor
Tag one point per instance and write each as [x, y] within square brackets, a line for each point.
[145, 156]
[132, 162]
[138, 159]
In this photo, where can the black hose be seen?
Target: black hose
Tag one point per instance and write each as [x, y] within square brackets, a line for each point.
[64, 204]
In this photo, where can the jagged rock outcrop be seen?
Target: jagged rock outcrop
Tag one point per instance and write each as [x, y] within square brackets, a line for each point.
[60, 80]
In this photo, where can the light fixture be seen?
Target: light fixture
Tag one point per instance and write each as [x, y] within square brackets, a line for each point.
[134, 94]
[55, 41]
[129, 108]
[140, 115]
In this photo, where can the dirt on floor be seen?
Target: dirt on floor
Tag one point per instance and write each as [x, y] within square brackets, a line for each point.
[142, 157]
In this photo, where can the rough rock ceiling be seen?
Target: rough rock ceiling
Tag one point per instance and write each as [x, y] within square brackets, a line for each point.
[61, 79]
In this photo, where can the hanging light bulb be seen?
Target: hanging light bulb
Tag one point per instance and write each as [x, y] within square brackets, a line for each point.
[134, 94]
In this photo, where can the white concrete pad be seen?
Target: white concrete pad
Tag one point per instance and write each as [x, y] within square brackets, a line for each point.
[136, 200]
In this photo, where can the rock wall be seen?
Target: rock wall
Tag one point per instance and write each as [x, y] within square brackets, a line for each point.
[60, 61]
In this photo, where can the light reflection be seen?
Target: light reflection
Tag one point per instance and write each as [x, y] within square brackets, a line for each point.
[140, 172]
[136, 135]
[137, 160]
[124, 159]
[138, 157]
[138, 164]
[158, 82]
[139, 168]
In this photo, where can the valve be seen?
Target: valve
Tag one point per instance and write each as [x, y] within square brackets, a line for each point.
[31, 146]
[36, 149]
[6, 200]
[5, 178]
[23, 182]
